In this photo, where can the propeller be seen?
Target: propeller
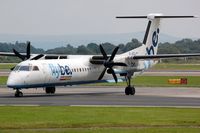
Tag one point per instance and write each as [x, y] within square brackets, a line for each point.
[28, 54]
[109, 63]
[24, 57]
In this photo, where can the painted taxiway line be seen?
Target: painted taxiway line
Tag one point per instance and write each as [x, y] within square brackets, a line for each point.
[20, 105]
[103, 106]
[135, 106]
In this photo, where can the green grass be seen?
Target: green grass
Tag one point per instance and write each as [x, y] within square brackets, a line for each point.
[98, 119]
[168, 66]
[3, 80]
[7, 65]
[107, 130]
[158, 81]
[162, 81]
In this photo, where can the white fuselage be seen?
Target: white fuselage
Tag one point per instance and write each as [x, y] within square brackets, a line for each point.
[52, 73]
[61, 72]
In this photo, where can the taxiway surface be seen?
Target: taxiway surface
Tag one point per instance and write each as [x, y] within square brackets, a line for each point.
[105, 96]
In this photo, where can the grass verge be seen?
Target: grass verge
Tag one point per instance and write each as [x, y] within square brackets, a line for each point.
[98, 119]
[3, 80]
[7, 65]
[158, 81]
[168, 66]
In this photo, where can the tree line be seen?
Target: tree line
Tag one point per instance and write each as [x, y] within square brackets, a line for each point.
[181, 46]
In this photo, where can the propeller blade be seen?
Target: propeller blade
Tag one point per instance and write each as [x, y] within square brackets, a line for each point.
[22, 57]
[103, 52]
[37, 57]
[28, 50]
[102, 74]
[113, 53]
[114, 75]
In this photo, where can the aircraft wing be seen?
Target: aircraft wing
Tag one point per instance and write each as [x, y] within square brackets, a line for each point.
[98, 59]
[162, 56]
[46, 56]
[7, 54]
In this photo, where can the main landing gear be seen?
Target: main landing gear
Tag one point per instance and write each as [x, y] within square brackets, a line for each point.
[18, 93]
[50, 90]
[129, 90]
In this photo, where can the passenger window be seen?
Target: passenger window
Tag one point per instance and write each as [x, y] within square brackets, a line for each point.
[35, 68]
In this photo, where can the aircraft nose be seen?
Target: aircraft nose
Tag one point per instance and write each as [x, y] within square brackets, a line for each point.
[14, 81]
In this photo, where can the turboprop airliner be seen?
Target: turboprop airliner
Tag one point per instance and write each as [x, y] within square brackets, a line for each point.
[49, 71]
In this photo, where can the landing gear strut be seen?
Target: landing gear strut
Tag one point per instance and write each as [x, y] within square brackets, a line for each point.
[50, 90]
[129, 90]
[18, 93]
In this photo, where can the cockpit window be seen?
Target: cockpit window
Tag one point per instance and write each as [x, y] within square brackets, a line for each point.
[35, 68]
[16, 68]
[25, 68]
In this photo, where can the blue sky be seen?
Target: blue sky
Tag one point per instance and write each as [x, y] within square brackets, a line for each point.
[75, 17]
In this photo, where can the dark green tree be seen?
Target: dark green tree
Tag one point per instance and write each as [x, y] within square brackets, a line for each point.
[94, 48]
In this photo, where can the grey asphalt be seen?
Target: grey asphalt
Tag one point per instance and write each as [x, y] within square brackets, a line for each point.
[105, 96]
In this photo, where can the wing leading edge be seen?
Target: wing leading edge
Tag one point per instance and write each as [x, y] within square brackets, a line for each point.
[8, 54]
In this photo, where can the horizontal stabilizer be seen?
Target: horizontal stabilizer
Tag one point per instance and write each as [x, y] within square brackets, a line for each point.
[163, 56]
[152, 16]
